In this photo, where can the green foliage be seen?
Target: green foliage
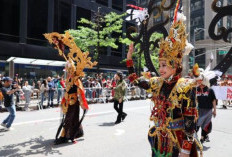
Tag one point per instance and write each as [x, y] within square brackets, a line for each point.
[86, 37]
[153, 52]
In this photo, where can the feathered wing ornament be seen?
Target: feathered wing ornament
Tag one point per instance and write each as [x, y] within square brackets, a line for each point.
[137, 13]
[207, 74]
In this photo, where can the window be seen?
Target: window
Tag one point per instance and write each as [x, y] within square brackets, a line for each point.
[229, 2]
[37, 21]
[9, 19]
[197, 5]
[118, 51]
[103, 2]
[220, 22]
[118, 5]
[201, 59]
[62, 19]
[83, 13]
[133, 2]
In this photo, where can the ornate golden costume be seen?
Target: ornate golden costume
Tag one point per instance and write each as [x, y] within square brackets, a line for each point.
[174, 113]
[74, 95]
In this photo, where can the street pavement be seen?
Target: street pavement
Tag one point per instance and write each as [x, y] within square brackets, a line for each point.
[34, 133]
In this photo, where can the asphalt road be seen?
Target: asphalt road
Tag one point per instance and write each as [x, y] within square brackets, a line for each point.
[34, 133]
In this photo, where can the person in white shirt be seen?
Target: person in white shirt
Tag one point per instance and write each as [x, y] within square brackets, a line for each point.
[43, 90]
[27, 89]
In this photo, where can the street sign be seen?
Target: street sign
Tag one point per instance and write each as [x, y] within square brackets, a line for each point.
[222, 52]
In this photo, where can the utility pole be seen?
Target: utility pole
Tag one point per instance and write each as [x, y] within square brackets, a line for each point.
[98, 20]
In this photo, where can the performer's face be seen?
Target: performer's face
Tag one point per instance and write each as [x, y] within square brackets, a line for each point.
[165, 70]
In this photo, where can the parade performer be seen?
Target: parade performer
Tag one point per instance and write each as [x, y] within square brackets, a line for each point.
[120, 91]
[173, 113]
[74, 96]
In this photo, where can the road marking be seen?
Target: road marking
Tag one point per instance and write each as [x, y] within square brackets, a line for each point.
[90, 114]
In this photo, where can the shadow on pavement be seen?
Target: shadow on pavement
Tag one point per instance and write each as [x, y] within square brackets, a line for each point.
[107, 124]
[3, 130]
[205, 148]
[34, 146]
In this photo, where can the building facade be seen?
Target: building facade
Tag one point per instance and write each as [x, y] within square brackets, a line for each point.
[201, 16]
[23, 23]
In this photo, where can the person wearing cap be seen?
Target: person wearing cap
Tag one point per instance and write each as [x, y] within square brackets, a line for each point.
[173, 111]
[8, 94]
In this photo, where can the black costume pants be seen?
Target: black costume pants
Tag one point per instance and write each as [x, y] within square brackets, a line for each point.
[118, 107]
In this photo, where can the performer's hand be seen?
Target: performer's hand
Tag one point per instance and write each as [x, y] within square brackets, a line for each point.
[214, 113]
[120, 100]
[184, 155]
[130, 51]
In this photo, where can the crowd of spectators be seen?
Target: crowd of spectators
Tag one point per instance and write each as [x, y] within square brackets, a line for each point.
[48, 92]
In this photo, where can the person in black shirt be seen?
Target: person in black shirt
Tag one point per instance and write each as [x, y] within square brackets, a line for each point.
[206, 108]
[8, 94]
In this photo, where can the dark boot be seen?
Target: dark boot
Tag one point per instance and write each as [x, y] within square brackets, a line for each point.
[118, 119]
[80, 133]
[124, 115]
[61, 140]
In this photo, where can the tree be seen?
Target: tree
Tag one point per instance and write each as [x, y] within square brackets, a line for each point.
[153, 52]
[94, 34]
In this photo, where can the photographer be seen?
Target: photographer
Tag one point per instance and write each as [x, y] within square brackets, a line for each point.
[8, 94]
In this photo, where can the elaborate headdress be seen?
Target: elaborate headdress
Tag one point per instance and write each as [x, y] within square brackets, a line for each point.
[75, 55]
[176, 45]
[76, 62]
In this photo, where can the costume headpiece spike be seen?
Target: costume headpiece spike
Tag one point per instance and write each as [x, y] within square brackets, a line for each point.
[176, 10]
[176, 44]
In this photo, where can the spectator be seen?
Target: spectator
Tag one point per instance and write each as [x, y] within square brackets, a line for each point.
[60, 89]
[15, 84]
[88, 88]
[28, 90]
[43, 90]
[98, 89]
[51, 90]
[8, 94]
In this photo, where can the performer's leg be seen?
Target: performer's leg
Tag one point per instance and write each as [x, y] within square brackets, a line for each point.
[117, 109]
[123, 114]
[116, 106]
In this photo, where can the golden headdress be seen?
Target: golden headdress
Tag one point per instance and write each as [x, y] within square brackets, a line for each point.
[176, 45]
[76, 62]
[76, 59]
[75, 56]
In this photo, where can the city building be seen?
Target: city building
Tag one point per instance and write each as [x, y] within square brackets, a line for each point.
[23, 23]
[201, 16]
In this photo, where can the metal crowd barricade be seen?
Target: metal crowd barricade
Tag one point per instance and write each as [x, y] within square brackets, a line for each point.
[105, 94]
[93, 95]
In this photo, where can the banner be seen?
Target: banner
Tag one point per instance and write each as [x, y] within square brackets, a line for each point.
[223, 92]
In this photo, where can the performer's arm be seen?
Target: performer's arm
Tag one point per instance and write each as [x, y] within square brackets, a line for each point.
[132, 75]
[214, 101]
[214, 107]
